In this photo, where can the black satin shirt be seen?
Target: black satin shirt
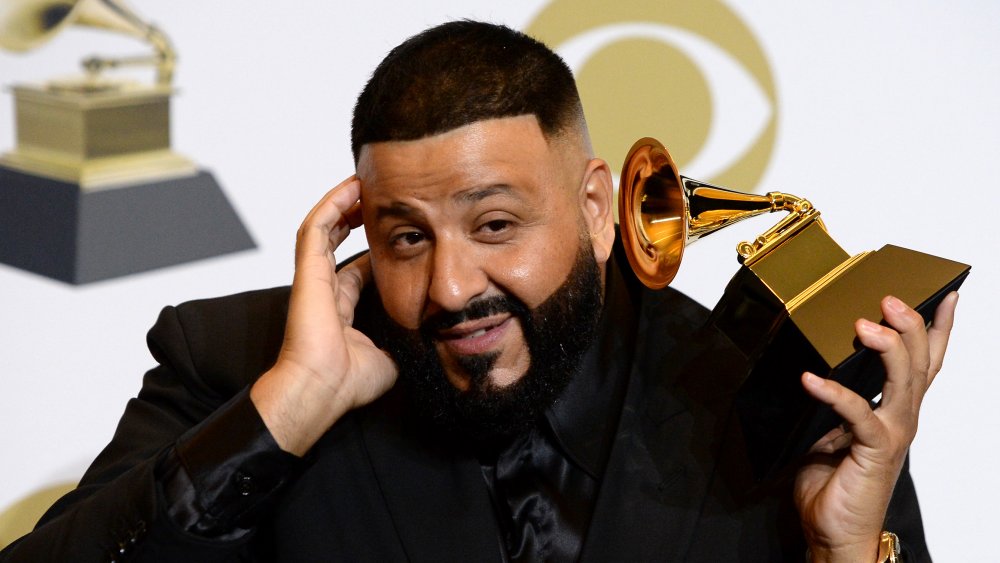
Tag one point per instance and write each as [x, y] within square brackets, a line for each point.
[544, 484]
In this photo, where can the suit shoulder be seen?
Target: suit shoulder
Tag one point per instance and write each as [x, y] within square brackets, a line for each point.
[257, 301]
[667, 306]
[674, 311]
[228, 341]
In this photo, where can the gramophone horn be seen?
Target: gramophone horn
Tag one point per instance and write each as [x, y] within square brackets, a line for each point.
[26, 24]
[661, 212]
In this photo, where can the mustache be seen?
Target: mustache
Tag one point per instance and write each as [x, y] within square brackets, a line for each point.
[477, 309]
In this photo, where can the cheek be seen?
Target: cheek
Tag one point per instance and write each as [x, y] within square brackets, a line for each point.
[401, 292]
[537, 270]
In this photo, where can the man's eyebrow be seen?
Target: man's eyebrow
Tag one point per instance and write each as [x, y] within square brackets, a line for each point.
[397, 209]
[473, 195]
[400, 210]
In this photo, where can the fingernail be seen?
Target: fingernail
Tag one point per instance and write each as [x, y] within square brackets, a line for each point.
[868, 326]
[895, 304]
[813, 379]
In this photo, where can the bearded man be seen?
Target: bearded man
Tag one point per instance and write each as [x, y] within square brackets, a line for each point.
[488, 382]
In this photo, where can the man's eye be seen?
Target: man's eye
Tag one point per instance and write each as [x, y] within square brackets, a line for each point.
[409, 238]
[495, 226]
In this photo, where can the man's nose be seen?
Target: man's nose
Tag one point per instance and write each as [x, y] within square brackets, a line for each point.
[456, 276]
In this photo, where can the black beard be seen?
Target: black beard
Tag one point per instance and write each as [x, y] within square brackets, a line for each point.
[558, 333]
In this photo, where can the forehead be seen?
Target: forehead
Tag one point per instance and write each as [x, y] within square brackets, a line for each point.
[508, 152]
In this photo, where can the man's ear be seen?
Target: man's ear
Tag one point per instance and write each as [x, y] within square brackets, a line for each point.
[598, 207]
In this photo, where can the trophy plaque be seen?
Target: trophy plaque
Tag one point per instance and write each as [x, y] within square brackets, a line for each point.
[92, 189]
[791, 306]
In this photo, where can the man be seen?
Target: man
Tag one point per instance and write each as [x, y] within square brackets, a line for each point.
[536, 403]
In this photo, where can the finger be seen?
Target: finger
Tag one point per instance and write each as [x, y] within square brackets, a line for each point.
[854, 409]
[834, 441]
[324, 201]
[326, 226]
[353, 215]
[352, 279]
[913, 333]
[888, 344]
[939, 333]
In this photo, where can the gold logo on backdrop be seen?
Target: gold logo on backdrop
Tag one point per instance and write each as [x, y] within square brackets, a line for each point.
[691, 73]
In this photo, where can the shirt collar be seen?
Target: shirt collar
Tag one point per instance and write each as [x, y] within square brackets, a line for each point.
[585, 417]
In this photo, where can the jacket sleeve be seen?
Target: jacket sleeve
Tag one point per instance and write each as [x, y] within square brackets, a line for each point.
[903, 518]
[188, 410]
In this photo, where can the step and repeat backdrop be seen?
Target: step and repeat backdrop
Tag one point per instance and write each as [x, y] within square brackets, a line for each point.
[884, 115]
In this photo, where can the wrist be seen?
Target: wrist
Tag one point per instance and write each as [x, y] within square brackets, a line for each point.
[296, 409]
[851, 553]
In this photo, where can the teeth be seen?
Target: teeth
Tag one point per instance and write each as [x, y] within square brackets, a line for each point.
[479, 332]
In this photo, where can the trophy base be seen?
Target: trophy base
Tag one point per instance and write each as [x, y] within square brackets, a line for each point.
[100, 173]
[74, 235]
[779, 421]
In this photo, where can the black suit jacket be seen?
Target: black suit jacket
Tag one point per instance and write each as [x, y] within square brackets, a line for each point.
[379, 488]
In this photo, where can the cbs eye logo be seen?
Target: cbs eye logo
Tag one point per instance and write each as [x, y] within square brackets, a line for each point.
[691, 74]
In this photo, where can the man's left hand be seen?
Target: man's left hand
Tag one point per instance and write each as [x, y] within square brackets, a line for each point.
[843, 489]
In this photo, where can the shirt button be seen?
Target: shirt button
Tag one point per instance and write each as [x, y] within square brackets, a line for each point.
[244, 483]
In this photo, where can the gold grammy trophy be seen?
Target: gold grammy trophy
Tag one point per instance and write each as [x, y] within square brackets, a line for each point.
[791, 306]
[92, 189]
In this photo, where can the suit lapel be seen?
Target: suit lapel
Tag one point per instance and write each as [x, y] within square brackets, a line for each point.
[436, 496]
[664, 454]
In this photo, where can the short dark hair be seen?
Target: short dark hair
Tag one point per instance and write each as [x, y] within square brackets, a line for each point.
[458, 73]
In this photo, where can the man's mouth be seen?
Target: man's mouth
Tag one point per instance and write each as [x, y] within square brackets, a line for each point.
[475, 337]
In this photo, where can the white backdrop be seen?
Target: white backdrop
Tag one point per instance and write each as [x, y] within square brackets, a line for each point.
[889, 124]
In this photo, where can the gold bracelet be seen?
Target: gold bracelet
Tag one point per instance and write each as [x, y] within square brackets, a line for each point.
[888, 549]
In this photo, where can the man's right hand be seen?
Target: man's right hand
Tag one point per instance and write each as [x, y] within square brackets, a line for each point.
[325, 367]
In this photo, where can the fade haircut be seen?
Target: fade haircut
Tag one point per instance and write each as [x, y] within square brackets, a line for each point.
[459, 73]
